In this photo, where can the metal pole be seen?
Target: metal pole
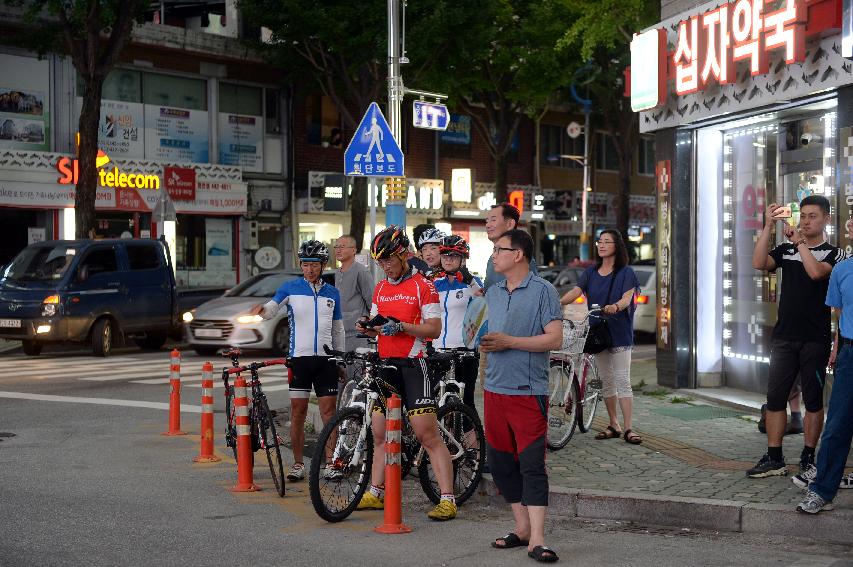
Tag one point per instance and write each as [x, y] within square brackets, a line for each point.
[584, 247]
[395, 213]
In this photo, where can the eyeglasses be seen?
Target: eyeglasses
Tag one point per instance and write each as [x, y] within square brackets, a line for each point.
[384, 262]
[603, 242]
[499, 249]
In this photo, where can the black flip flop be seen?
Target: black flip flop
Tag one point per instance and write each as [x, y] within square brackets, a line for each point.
[539, 554]
[510, 540]
[609, 433]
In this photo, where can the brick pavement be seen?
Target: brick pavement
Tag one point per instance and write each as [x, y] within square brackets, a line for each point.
[703, 458]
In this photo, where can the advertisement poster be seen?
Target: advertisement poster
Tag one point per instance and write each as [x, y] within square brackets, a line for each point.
[241, 141]
[176, 134]
[121, 131]
[24, 103]
[664, 185]
[218, 240]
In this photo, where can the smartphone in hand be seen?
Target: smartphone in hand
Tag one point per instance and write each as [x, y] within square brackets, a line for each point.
[783, 212]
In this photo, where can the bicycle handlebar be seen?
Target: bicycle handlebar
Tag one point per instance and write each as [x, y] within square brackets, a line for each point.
[257, 365]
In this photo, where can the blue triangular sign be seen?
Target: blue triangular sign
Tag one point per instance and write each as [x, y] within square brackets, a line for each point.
[373, 151]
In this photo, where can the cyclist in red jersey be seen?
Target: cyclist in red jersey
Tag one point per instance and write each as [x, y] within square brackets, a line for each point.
[409, 301]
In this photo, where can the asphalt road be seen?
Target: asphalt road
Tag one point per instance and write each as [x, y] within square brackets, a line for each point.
[87, 479]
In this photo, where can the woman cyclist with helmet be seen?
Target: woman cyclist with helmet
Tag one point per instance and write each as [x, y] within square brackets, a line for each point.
[406, 306]
[314, 311]
[429, 246]
[456, 286]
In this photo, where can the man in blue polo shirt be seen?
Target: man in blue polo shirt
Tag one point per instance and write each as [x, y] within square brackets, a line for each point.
[524, 325]
[838, 431]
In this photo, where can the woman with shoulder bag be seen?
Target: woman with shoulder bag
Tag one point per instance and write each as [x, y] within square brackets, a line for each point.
[613, 284]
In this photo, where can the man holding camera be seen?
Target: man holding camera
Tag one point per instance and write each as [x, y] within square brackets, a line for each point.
[801, 338]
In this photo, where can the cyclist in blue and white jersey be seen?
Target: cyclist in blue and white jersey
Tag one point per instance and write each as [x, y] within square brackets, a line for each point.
[455, 287]
[314, 312]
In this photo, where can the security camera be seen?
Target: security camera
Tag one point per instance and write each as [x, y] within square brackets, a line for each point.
[809, 138]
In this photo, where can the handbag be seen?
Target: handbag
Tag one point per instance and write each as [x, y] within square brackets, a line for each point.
[599, 337]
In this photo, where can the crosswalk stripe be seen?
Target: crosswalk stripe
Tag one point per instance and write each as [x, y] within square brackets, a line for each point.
[115, 378]
[218, 383]
[87, 372]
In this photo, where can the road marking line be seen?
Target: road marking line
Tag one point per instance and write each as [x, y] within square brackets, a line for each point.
[98, 401]
[88, 373]
[127, 377]
[218, 384]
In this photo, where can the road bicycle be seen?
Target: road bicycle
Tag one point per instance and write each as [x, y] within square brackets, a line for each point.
[261, 418]
[341, 465]
[574, 384]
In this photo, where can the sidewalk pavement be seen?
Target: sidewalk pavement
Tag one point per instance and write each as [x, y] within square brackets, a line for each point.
[689, 471]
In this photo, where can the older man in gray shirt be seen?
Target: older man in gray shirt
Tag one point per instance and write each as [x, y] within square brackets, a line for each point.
[524, 324]
[355, 284]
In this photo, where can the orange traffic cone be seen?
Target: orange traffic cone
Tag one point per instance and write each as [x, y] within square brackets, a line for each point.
[245, 458]
[393, 519]
[206, 453]
[175, 395]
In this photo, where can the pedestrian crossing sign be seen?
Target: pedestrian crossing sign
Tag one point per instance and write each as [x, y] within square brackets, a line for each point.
[373, 151]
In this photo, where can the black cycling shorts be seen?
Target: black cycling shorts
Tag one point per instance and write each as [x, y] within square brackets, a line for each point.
[411, 380]
[790, 359]
[317, 371]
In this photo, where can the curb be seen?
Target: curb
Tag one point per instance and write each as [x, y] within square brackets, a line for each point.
[697, 393]
[692, 513]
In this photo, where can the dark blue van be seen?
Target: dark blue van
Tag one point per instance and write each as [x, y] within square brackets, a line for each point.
[89, 291]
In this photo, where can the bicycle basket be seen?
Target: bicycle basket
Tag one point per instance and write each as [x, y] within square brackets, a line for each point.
[574, 336]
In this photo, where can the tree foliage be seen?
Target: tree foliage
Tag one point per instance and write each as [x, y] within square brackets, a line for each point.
[600, 35]
[93, 33]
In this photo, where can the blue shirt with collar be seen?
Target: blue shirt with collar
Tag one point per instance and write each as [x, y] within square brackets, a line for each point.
[840, 295]
[524, 312]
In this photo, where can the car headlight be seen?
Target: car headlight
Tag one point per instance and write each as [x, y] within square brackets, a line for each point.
[246, 319]
[187, 317]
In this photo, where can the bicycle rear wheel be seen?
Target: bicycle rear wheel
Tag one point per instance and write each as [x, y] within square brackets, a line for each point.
[230, 425]
[340, 467]
[562, 405]
[462, 432]
[409, 448]
[588, 403]
[270, 443]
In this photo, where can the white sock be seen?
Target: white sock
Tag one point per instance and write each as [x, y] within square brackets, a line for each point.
[377, 491]
[449, 497]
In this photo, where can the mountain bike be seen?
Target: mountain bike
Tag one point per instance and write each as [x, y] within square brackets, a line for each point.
[460, 428]
[261, 418]
[574, 385]
[341, 465]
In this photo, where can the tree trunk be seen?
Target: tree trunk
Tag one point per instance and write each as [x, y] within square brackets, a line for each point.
[358, 210]
[623, 199]
[87, 183]
[501, 167]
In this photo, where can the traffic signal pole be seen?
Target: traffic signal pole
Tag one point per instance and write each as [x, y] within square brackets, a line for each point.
[395, 210]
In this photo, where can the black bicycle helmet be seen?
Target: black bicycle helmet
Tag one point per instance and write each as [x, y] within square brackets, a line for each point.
[430, 236]
[389, 242]
[313, 251]
[455, 245]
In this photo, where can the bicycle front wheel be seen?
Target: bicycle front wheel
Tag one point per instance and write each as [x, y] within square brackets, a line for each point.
[230, 425]
[562, 405]
[340, 467]
[270, 443]
[588, 402]
[461, 430]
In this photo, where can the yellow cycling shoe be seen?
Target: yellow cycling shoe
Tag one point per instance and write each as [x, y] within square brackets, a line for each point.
[370, 502]
[443, 511]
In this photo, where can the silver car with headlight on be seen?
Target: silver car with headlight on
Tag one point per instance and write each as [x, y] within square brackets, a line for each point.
[225, 321]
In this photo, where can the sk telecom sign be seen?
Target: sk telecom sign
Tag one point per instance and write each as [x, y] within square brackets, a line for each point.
[710, 45]
[69, 170]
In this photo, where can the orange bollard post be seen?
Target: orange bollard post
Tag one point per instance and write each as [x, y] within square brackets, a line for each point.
[206, 453]
[245, 458]
[175, 395]
[393, 518]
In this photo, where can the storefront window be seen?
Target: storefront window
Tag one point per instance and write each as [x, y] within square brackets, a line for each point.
[178, 92]
[204, 251]
[783, 162]
[239, 99]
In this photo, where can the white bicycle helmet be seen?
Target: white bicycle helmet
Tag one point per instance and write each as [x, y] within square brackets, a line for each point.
[431, 236]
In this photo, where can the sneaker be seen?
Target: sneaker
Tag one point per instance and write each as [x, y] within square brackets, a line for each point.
[813, 504]
[846, 481]
[297, 472]
[333, 473]
[443, 511]
[761, 422]
[808, 472]
[370, 502]
[767, 467]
